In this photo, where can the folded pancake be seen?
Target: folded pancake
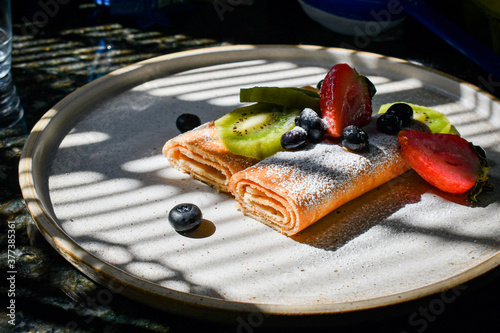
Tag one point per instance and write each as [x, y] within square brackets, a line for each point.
[291, 190]
[200, 154]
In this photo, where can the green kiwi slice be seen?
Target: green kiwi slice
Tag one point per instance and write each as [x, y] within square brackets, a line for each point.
[255, 130]
[435, 120]
[292, 97]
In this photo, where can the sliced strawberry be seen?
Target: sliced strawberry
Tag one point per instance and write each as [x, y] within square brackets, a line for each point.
[345, 99]
[446, 161]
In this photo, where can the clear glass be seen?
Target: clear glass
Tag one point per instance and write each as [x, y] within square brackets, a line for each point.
[5, 50]
[11, 112]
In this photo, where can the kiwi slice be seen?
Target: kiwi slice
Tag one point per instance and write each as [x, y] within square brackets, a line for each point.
[292, 97]
[255, 130]
[435, 120]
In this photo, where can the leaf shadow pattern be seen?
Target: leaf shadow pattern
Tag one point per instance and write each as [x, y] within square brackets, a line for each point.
[170, 273]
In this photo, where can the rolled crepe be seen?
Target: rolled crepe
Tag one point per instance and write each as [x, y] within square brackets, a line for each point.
[200, 153]
[291, 190]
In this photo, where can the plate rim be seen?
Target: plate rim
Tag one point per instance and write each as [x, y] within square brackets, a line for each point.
[176, 301]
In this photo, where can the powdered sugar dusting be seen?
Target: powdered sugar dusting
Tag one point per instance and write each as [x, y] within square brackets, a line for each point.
[311, 175]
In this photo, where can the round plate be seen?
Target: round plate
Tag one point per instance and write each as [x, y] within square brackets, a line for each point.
[95, 181]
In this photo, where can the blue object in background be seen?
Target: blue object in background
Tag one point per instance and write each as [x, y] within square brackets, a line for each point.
[453, 35]
[371, 17]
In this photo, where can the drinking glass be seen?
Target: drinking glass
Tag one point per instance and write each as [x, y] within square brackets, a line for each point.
[11, 112]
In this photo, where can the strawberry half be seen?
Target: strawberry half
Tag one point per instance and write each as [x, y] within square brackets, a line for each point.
[446, 161]
[345, 99]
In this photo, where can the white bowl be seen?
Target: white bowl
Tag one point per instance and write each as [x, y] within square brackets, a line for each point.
[370, 20]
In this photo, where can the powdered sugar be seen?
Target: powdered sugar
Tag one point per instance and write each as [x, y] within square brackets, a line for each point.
[312, 174]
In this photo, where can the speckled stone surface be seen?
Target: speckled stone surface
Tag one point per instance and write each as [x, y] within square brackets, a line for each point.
[68, 52]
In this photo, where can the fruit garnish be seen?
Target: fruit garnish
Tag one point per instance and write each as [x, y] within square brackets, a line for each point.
[298, 98]
[187, 121]
[388, 124]
[345, 99]
[354, 138]
[446, 161]
[255, 130]
[311, 88]
[185, 217]
[312, 124]
[435, 120]
[403, 111]
[371, 87]
[294, 138]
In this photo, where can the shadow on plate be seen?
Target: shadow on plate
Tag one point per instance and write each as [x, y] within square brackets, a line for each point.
[358, 216]
[206, 229]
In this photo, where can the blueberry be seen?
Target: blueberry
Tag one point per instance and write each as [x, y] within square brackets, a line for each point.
[371, 87]
[316, 135]
[185, 217]
[187, 121]
[354, 138]
[312, 123]
[403, 111]
[294, 138]
[388, 124]
[307, 118]
[320, 83]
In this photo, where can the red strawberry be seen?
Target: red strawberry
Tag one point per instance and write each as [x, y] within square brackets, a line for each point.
[446, 161]
[345, 99]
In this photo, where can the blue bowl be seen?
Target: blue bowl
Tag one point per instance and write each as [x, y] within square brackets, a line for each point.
[355, 17]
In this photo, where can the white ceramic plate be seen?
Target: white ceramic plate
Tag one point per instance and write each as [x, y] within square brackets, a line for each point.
[99, 189]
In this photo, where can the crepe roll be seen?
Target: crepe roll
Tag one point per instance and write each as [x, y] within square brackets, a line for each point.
[200, 153]
[291, 190]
